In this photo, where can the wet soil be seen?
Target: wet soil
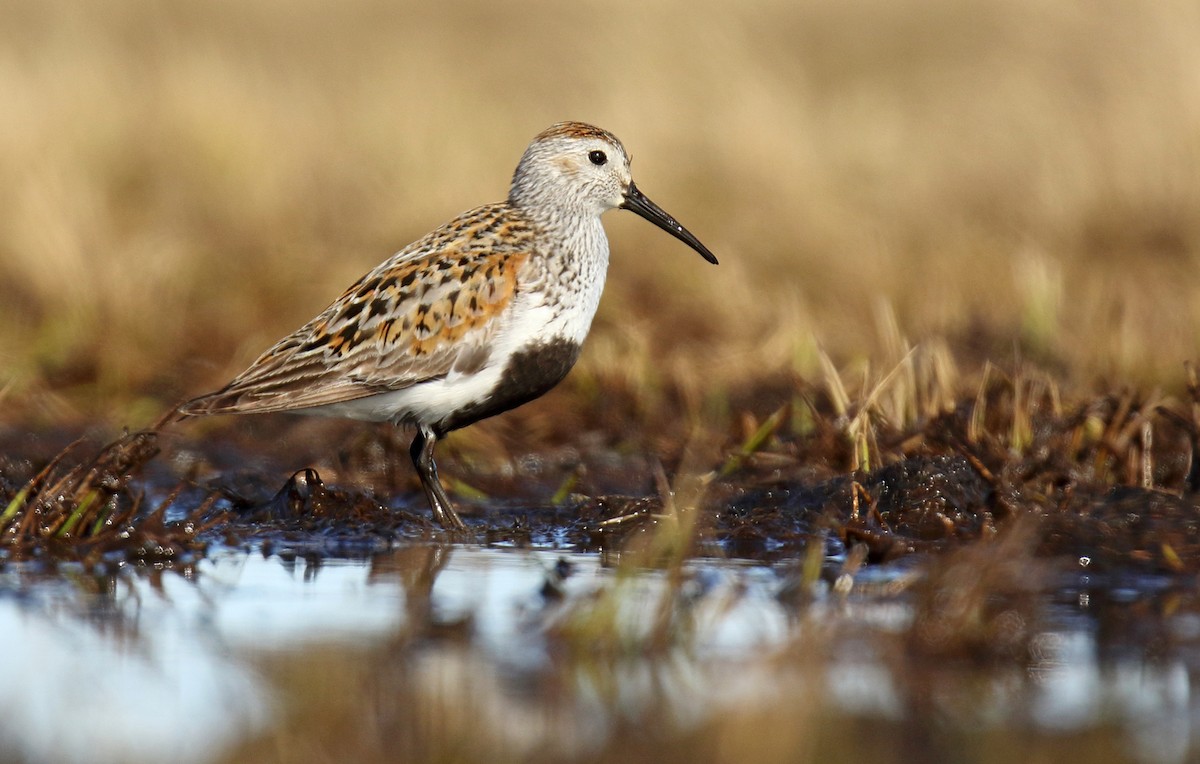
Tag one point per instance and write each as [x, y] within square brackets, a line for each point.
[1010, 550]
[1111, 479]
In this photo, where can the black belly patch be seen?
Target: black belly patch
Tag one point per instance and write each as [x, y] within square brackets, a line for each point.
[530, 373]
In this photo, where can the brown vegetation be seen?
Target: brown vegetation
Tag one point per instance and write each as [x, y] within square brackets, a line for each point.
[959, 243]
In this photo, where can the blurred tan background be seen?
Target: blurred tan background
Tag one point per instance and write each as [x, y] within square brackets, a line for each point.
[183, 182]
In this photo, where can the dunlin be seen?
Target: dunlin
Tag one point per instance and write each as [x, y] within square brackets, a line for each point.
[482, 315]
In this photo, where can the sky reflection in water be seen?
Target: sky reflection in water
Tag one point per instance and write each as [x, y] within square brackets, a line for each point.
[163, 666]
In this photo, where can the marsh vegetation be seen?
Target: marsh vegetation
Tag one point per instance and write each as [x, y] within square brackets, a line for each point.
[912, 476]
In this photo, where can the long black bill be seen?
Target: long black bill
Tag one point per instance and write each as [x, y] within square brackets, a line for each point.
[636, 201]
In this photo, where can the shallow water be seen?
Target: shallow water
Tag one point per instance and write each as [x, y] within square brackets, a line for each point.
[408, 650]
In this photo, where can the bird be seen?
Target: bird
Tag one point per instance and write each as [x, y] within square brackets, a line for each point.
[481, 315]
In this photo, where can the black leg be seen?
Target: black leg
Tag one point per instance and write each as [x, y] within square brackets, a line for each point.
[422, 456]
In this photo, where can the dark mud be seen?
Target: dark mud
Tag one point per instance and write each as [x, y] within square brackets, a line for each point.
[1111, 480]
[977, 586]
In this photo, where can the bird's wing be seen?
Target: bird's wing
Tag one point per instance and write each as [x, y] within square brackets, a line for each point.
[430, 309]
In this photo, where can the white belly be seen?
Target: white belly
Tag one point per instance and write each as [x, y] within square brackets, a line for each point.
[529, 322]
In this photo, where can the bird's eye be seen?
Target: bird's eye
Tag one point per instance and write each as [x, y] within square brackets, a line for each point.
[597, 158]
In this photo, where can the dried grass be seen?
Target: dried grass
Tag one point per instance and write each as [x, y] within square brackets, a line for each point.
[182, 183]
